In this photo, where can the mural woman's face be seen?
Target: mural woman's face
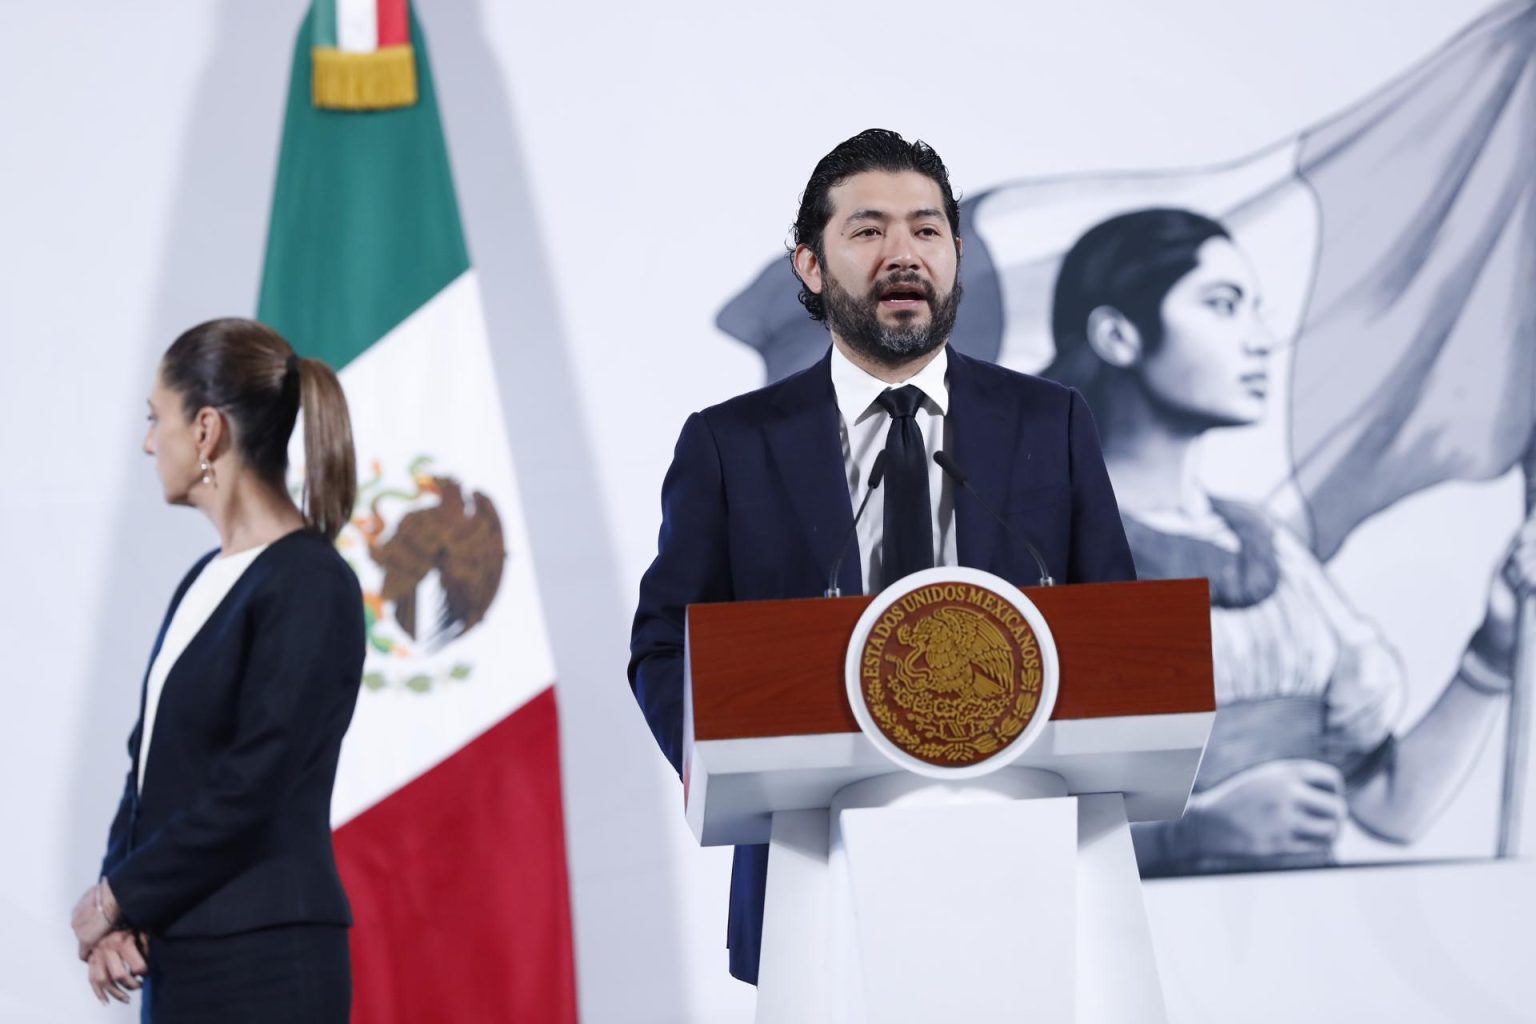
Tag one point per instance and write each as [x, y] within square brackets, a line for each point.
[1213, 363]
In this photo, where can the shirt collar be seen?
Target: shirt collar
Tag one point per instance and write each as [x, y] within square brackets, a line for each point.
[856, 389]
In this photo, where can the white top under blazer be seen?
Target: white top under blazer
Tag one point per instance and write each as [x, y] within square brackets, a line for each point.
[197, 604]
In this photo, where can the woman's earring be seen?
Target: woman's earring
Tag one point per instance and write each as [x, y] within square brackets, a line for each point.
[207, 469]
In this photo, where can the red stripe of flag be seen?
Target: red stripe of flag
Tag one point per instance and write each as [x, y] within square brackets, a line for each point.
[458, 886]
[394, 24]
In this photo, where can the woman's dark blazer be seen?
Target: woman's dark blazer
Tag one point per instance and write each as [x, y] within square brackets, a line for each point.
[232, 830]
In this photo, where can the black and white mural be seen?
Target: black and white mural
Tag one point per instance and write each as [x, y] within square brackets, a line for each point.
[1279, 351]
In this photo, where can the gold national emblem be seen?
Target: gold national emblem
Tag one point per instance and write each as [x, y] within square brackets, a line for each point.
[951, 673]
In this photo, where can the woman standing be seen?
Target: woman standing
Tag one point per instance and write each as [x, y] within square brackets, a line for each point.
[1156, 319]
[219, 860]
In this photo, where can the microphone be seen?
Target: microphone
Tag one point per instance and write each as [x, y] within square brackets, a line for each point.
[876, 474]
[947, 464]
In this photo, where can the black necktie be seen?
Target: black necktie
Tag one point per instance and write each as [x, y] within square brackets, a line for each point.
[907, 545]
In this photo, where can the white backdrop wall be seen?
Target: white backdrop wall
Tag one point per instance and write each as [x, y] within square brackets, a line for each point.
[623, 171]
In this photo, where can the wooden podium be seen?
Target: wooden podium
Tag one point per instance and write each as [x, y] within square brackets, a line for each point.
[894, 897]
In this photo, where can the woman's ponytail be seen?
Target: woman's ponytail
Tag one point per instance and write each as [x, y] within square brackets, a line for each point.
[330, 464]
[248, 372]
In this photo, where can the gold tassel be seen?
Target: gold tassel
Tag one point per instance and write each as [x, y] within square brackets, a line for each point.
[381, 80]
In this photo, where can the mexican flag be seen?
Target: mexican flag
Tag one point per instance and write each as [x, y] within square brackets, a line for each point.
[449, 832]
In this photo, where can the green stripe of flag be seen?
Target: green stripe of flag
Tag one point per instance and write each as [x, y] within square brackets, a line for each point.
[365, 225]
[323, 17]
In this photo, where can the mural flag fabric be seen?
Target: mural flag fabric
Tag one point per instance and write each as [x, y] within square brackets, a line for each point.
[1395, 244]
[1416, 361]
[449, 828]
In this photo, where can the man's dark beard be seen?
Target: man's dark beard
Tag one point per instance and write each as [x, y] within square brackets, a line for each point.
[857, 320]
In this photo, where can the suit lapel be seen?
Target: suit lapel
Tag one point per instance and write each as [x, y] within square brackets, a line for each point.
[805, 441]
[983, 429]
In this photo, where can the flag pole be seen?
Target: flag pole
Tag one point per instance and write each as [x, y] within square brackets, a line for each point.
[1517, 744]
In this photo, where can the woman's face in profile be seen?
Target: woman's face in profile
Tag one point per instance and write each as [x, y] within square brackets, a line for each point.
[169, 439]
[1213, 362]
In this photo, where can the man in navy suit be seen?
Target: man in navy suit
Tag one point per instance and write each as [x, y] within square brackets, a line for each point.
[760, 495]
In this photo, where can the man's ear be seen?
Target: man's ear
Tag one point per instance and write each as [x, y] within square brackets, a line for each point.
[1113, 337]
[807, 268]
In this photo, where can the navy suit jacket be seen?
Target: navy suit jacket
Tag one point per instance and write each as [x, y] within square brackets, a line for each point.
[232, 830]
[756, 506]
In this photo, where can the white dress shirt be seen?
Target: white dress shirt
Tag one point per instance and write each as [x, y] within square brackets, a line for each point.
[197, 604]
[864, 427]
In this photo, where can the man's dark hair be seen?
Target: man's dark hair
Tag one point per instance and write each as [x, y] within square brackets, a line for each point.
[1130, 263]
[874, 149]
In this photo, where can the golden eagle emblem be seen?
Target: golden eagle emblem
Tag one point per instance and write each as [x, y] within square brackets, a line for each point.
[951, 674]
[958, 655]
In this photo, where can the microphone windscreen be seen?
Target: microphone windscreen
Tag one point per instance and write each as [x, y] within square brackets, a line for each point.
[947, 464]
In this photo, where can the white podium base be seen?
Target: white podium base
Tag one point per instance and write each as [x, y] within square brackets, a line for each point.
[996, 899]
